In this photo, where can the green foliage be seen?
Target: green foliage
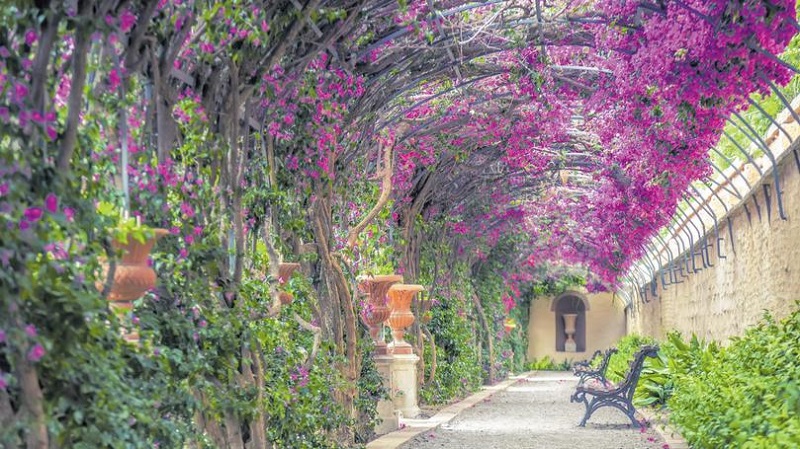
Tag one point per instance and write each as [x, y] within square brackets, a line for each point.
[655, 382]
[458, 369]
[746, 395]
[548, 364]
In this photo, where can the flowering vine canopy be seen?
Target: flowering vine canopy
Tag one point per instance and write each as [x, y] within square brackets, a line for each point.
[576, 124]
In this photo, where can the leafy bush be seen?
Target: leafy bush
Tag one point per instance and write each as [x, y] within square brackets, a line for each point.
[746, 395]
[655, 383]
[548, 364]
[458, 371]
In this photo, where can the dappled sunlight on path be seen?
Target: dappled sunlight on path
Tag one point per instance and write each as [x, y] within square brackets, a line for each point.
[536, 413]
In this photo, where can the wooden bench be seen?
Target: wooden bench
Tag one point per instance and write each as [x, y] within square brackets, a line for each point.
[601, 393]
[585, 370]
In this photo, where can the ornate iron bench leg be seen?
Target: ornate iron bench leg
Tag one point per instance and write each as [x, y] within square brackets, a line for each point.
[631, 412]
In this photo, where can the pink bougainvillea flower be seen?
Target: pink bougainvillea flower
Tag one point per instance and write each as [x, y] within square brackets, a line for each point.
[186, 209]
[31, 37]
[30, 331]
[51, 203]
[126, 21]
[33, 214]
[36, 353]
[206, 47]
[197, 230]
[2, 336]
[69, 213]
[52, 134]
[4, 188]
[21, 91]
[189, 239]
[113, 79]
[3, 381]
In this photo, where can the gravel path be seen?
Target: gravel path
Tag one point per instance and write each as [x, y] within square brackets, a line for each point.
[535, 413]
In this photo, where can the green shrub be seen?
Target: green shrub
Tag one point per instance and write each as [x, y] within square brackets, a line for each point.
[655, 383]
[548, 364]
[744, 396]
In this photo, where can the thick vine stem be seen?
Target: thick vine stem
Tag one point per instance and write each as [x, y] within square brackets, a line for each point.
[31, 395]
[386, 190]
[317, 331]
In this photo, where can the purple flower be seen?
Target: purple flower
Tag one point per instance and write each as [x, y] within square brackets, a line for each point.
[36, 353]
[186, 209]
[207, 47]
[21, 91]
[126, 21]
[51, 203]
[31, 37]
[203, 323]
[30, 331]
[4, 188]
[2, 336]
[33, 214]
[69, 213]
[113, 79]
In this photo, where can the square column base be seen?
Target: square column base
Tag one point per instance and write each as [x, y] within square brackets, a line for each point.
[404, 384]
[390, 419]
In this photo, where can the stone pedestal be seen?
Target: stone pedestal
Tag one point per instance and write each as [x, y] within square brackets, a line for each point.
[404, 384]
[386, 412]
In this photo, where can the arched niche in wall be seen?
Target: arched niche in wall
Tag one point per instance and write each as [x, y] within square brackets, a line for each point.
[566, 303]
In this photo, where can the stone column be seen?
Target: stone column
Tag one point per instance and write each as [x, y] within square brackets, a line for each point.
[404, 384]
[386, 410]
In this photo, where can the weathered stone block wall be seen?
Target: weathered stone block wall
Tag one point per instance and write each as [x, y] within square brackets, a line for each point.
[760, 271]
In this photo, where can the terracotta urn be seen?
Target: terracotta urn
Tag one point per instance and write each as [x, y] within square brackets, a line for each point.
[400, 297]
[376, 310]
[133, 276]
[285, 271]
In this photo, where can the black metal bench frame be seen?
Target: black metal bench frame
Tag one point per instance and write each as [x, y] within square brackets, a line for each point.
[619, 396]
[585, 370]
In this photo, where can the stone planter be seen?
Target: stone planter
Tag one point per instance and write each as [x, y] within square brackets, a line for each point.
[569, 329]
[377, 311]
[400, 297]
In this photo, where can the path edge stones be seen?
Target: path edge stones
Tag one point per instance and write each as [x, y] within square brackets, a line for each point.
[414, 427]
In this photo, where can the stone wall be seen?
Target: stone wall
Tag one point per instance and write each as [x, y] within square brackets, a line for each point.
[760, 270]
[605, 325]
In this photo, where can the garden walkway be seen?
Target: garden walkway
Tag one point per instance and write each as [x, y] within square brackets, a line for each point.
[531, 411]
